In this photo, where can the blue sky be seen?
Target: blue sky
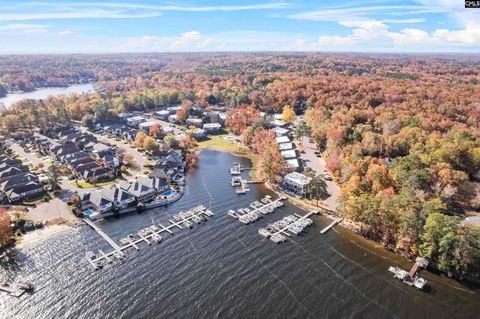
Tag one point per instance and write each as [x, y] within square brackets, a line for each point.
[62, 26]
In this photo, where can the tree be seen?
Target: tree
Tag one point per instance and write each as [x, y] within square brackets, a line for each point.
[149, 144]
[316, 189]
[155, 130]
[53, 177]
[288, 115]
[6, 231]
[140, 139]
[301, 130]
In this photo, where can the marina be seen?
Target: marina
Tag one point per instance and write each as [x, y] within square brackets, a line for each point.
[257, 209]
[197, 214]
[292, 224]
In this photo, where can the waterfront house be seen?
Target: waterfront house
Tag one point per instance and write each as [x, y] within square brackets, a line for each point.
[280, 131]
[282, 139]
[119, 197]
[285, 146]
[158, 184]
[134, 121]
[142, 192]
[96, 201]
[26, 191]
[289, 154]
[293, 163]
[296, 183]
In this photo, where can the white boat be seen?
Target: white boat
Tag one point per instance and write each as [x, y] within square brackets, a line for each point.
[157, 238]
[264, 232]
[187, 223]
[124, 241]
[419, 283]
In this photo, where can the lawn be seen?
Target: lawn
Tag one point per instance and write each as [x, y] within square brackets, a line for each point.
[217, 143]
[83, 184]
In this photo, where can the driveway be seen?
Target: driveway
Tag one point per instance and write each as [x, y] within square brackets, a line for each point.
[318, 165]
[54, 209]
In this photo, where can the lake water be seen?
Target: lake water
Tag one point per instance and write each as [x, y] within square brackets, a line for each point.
[43, 93]
[224, 269]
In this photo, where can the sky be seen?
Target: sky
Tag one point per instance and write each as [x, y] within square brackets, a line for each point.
[104, 26]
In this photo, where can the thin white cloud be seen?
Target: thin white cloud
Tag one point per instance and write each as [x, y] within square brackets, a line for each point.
[65, 33]
[92, 14]
[25, 28]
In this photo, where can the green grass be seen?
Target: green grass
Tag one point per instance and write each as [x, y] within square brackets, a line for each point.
[83, 184]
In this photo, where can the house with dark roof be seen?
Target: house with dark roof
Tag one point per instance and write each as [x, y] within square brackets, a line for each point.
[9, 162]
[26, 191]
[142, 192]
[96, 201]
[119, 197]
[159, 184]
[12, 172]
[97, 174]
[18, 181]
[81, 168]
[68, 158]
[108, 158]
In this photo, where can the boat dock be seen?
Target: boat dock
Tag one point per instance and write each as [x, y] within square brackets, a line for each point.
[294, 224]
[332, 224]
[147, 235]
[237, 169]
[15, 292]
[257, 209]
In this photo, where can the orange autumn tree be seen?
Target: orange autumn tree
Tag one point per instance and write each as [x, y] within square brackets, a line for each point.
[155, 130]
[242, 117]
[6, 232]
[188, 145]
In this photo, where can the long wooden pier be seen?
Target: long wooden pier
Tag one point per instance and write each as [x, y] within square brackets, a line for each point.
[118, 251]
[284, 230]
[335, 222]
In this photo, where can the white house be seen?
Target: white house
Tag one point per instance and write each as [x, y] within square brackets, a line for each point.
[194, 121]
[285, 146]
[289, 154]
[162, 115]
[280, 131]
[282, 139]
[296, 182]
[212, 127]
[134, 121]
[173, 118]
[293, 163]
[145, 126]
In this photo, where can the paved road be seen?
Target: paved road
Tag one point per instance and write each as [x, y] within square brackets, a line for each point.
[318, 165]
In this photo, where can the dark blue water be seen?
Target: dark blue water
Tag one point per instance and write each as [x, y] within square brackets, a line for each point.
[224, 269]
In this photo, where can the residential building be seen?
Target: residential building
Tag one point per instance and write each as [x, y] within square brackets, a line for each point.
[194, 121]
[97, 173]
[145, 126]
[134, 121]
[158, 184]
[13, 172]
[142, 193]
[18, 181]
[119, 197]
[282, 139]
[289, 154]
[162, 115]
[296, 183]
[212, 128]
[23, 192]
[96, 201]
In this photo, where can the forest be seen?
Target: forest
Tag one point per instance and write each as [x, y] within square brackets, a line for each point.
[400, 133]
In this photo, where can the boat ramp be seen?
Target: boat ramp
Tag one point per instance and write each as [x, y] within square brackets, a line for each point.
[147, 235]
[287, 226]
[257, 209]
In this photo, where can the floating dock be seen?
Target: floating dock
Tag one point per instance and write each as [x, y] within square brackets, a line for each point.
[257, 208]
[332, 224]
[280, 233]
[196, 214]
[15, 292]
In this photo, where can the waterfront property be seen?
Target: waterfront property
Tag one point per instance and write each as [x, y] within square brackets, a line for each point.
[141, 192]
[296, 183]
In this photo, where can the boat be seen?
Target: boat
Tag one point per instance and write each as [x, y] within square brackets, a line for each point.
[90, 255]
[187, 223]
[153, 228]
[119, 255]
[241, 191]
[157, 238]
[232, 213]
[236, 181]
[25, 286]
[264, 232]
[419, 283]
[235, 169]
[124, 241]
[131, 237]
